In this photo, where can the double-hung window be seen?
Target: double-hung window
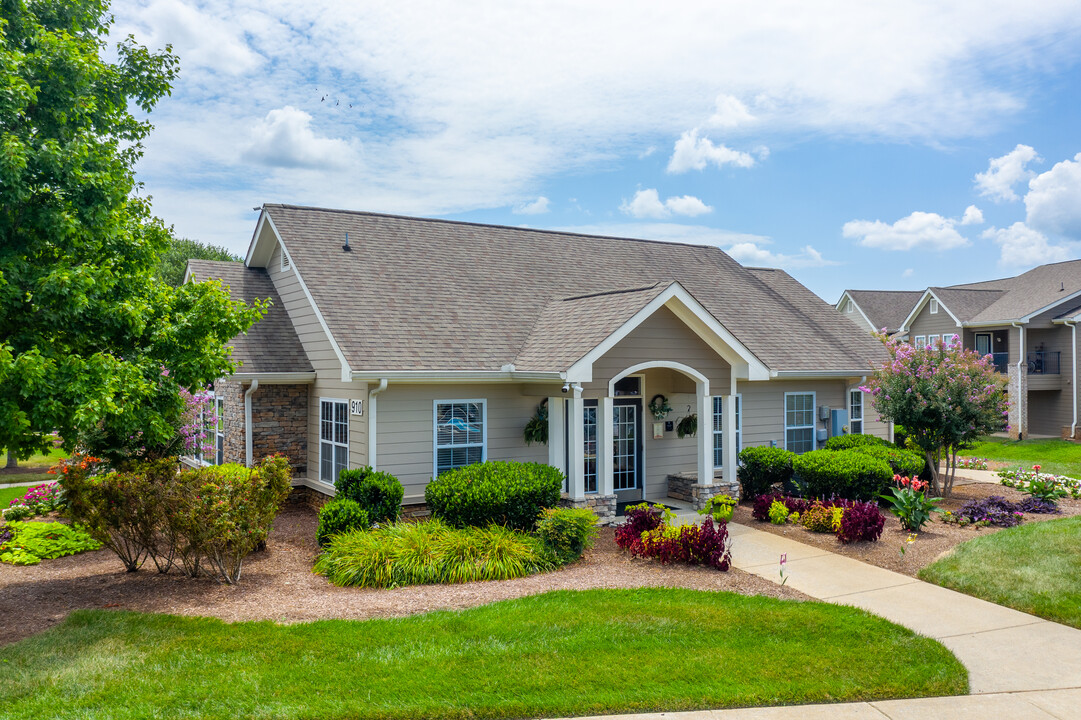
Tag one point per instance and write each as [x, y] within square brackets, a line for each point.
[460, 433]
[799, 421]
[932, 340]
[921, 341]
[855, 412]
[211, 447]
[333, 439]
[718, 425]
[933, 310]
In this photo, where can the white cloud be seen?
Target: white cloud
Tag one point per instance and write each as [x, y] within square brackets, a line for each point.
[284, 138]
[973, 216]
[1005, 172]
[1023, 246]
[918, 230]
[1053, 201]
[743, 247]
[909, 272]
[694, 153]
[647, 204]
[200, 39]
[730, 112]
[537, 207]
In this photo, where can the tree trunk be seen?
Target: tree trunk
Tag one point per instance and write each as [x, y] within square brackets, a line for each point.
[932, 462]
[13, 462]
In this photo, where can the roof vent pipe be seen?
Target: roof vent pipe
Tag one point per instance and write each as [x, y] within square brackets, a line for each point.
[345, 246]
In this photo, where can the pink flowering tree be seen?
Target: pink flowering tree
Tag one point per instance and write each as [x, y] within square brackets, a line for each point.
[945, 397]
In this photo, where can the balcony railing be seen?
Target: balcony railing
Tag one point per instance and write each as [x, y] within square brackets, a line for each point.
[1001, 361]
[1043, 363]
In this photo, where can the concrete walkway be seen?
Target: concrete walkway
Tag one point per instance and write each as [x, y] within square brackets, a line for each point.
[1019, 666]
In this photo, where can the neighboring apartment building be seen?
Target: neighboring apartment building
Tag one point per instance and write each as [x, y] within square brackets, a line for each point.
[1027, 324]
[417, 346]
[878, 310]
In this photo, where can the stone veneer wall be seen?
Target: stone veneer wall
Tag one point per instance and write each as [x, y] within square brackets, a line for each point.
[685, 487]
[279, 415]
[603, 506]
[1018, 388]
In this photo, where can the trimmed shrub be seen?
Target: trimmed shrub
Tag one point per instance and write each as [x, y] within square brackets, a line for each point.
[430, 552]
[762, 467]
[379, 494]
[567, 532]
[902, 462]
[338, 516]
[861, 522]
[848, 473]
[847, 442]
[502, 493]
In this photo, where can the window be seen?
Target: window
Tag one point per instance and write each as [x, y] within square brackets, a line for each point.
[630, 386]
[932, 340]
[212, 449]
[848, 307]
[799, 422]
[933, 309]
[460, 433]
[921, 341]
[950, 340]
[333, 439]
[718, 435]
[590, 440]
[855, 412]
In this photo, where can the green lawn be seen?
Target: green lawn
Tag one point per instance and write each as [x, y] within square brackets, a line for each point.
[35, 467]
[7, 494]
[1035, 568]
[1060, 457]
[557, 654]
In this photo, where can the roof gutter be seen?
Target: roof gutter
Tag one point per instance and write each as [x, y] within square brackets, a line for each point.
[372, 430]
[811, 374]
[1020, 368]
[247, 420]
[457, 376]
[1072, 324]
[276, 378]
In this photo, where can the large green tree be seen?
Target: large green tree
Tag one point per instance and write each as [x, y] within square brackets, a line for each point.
[173, 263]
[92, 344]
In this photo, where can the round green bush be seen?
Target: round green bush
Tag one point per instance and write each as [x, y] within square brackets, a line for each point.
[379, 494]
[761, 467]
[338, 516]
[502, 493]
[847, 442]
[902, 462]
[849, 474]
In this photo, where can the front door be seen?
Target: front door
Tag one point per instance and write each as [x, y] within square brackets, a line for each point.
[627, 449]
[983, 343]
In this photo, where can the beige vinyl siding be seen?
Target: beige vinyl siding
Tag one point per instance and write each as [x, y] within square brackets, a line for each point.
[669, 454]
[662, 336]
[1050, 410]
[405, 440]
[328, 369]
[927, 324]
[855, 316]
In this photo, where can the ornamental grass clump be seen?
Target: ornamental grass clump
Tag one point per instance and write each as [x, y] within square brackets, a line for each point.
[431, 552]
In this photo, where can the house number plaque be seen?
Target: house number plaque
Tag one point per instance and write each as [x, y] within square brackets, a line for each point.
[356, 407]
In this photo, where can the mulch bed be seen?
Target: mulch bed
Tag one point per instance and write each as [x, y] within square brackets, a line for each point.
[278, 585]
[936, 538]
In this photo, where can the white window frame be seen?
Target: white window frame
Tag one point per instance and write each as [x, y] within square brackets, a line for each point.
[848, 307]
[435, 430]
[215, 434]
[720, 433]
[814, 418]
[932, 307]
[853, 393]
[932, 340]
[332, 442]
[921, 342]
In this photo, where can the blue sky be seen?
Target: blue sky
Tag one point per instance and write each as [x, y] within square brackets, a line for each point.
[868, 145]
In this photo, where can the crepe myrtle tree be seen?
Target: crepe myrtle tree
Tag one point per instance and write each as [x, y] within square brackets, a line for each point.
[85, 326]
[946, 397]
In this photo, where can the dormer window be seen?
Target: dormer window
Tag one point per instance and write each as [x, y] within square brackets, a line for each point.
[934, 307]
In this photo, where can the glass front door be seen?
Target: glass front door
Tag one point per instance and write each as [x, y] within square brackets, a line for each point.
[626, 446]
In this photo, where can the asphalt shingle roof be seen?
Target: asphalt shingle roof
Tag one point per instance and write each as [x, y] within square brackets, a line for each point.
[966, 303]
[271, 344]
[420, 294]
[886, 308]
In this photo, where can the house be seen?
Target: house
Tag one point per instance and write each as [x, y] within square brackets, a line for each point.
[878, 310]
[1027, 324]
[417, 345]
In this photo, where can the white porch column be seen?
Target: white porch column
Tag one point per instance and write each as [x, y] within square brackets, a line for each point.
[730, 449]
[557, 451]
[704, 439]
[605, 475]
[576, 485]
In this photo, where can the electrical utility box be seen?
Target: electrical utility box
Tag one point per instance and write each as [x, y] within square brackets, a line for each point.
[838, 421]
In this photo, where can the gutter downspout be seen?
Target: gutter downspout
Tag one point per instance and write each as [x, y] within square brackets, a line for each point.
[1073, 351]
[372, 433]
[1021, 366]
[247, 420]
